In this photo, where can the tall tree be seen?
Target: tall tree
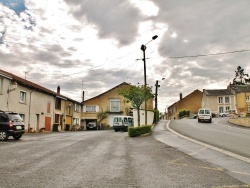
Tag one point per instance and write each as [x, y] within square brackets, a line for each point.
[240, 77]
[136, 95]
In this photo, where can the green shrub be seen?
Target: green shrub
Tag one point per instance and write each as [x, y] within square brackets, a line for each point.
[184, 113]
[138, 131]
[156, 116]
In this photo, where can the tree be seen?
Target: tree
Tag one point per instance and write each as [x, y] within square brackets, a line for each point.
[136, 95]
[101, 116]
[240, 77]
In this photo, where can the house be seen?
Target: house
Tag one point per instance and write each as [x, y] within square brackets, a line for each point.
[191, 103]
[110, 102]
[39, 107]
[218, 100]
[67, 112]
[242, 97]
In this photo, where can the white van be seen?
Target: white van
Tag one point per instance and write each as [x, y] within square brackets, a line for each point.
[204, 114]
[122, 123]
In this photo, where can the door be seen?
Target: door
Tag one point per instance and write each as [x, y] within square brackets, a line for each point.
[48, 123]
[37, 122]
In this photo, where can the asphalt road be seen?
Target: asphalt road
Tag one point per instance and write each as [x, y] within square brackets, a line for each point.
[235, 165]
[103, 159]
[219, 133]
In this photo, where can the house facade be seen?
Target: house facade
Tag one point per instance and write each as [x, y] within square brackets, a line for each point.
[218, 100]
[191, 102]
[67, 112]
[110, 102]
[32, 102]
[242, 95]
[39, 107]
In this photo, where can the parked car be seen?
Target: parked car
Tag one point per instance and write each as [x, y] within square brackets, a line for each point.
[122, 123]
[224, 114]
[11, 124]
[204, 114]
[228, 113]
[92, 125]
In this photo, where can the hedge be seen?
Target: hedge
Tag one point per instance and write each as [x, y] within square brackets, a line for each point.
[138, 131]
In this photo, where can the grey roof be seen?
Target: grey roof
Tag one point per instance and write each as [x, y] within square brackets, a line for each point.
[218, 92]
[240, 88]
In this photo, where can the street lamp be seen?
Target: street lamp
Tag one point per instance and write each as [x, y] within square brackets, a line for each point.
[156, 92]
[143, 48]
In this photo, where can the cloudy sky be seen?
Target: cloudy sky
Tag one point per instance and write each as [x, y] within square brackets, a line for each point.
[94, 45]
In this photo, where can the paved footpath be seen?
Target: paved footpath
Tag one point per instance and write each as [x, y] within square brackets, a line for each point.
[218, 162]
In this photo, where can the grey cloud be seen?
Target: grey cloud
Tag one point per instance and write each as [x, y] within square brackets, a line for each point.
[206, 24]
[113, 19]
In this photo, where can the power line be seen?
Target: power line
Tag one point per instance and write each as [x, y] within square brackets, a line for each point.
[204, 55]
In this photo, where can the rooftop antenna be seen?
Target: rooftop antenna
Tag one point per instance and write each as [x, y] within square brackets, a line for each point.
[25, 73]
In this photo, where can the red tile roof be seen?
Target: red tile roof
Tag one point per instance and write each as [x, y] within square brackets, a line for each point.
[32, 85]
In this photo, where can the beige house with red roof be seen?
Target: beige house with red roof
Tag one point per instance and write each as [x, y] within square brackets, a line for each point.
[112, 103]
[38, 106]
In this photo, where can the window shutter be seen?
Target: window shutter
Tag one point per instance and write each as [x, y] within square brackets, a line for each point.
[97, 108]
[84, 109]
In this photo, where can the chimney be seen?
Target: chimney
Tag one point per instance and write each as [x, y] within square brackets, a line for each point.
[58, 89]
[180, 96]
[82, 97]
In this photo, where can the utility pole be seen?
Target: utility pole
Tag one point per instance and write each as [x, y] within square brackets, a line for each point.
[156, 93]
[143, 48]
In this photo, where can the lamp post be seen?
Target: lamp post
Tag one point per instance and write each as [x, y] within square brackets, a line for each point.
[156, 92]
[143, 48]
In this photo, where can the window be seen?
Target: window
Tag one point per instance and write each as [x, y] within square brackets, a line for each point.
[248, 108]
[77, 108]
[227, 100]
[220, 100]
[48, 106]
[248, 98]
[58, 103]
[221, 109]
[22, 96]
[3, 117]
[114, 105]
[90, 108]
[227, 108]
[76, 121]
[201, 111]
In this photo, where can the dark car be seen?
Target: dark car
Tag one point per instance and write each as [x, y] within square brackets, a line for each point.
[92, 125]
[11, 124]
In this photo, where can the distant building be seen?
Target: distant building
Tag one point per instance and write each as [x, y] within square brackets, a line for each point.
[242, 95]
[191, 103]
[218, 100]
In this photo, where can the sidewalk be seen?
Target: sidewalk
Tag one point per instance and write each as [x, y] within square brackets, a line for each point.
[218, 161]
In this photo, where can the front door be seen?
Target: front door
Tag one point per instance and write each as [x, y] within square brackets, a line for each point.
[48, 123]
